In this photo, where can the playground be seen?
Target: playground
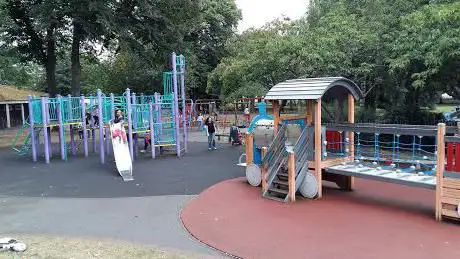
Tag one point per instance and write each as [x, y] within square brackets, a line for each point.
[83, 198]
[308, 185]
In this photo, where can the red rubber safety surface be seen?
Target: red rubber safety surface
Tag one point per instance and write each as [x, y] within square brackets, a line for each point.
[376, 220]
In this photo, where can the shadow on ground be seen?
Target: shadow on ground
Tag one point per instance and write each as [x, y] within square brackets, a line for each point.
[81, 177]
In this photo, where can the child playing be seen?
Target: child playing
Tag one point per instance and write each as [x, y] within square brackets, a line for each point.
[118, 117]
[211, 132]
[147, 141]
[200, 122]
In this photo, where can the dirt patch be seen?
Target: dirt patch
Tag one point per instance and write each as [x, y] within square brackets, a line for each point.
[41, 247]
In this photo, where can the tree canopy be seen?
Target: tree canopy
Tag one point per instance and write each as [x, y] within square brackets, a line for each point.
[128, 42]
[403, 54]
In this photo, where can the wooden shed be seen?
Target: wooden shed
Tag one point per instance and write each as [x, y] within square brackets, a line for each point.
[13, 106]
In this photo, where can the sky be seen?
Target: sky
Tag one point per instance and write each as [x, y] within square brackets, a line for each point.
[258, 12]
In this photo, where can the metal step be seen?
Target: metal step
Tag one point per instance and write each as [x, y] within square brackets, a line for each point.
[273, 198]
[279, 191]
[281, 174]
[281, 182]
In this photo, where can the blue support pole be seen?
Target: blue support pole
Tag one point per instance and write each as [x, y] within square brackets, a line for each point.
[112, 108]
[135, 121]
[32, 129]
[159, 124]
[176, 104]
[71, 127]
[101, 126]
[60, 114]
[130, 130]
[152, 131]
[45, 129]
[50, 145]
[83, 124]
[182, 85]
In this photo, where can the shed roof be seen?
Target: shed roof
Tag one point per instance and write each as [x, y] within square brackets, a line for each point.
[10, 93]
[313, 88]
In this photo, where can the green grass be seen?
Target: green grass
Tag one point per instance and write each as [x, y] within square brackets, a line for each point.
[46, 247]
[445, 107]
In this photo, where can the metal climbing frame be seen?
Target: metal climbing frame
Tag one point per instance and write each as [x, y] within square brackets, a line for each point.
[160, 112]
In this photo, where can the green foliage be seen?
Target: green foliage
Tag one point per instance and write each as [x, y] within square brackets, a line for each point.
[402, 53]
[65, 36]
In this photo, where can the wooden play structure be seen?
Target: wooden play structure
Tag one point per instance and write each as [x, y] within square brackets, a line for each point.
[304, 152]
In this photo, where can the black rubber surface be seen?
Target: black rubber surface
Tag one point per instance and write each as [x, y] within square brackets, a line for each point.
[81, 177]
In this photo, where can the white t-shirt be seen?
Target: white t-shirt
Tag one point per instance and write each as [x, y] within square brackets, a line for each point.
[200, 118]
[246, 111]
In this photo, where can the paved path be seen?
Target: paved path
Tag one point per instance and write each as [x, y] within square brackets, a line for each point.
[83, 198]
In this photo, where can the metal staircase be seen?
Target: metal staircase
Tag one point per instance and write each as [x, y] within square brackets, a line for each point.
[276, 164]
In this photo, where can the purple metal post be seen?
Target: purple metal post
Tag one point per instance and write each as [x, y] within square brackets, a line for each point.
[60, 113]
[107, 141]
[159, 123]
[71, 127]
[112, 106]
[48, 128]
[176, 104]
[101, 125]
[152, 134]
[32, 129]
[45, 129]
[93, 138]
[135, 109]
[83, 124]
[38, 143]
[130, 130]
[112, 118]
[182, 85]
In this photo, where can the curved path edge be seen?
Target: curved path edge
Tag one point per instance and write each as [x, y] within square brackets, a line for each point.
[184, 225]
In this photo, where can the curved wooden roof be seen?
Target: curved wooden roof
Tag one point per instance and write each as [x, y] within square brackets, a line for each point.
[313, 88]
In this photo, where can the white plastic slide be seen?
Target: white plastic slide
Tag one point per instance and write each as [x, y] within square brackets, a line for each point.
[121, 151]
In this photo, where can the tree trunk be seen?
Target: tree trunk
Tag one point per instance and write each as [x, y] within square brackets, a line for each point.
[50, 63]
[75, 58]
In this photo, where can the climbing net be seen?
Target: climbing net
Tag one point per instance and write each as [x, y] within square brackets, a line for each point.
[387, 148]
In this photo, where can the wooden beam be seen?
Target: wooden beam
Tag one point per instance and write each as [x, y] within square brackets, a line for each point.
[249, 149]
[318, 147]
[441, 146]
[291, 176]
[292, 117]
[264, 172]
[276, 115]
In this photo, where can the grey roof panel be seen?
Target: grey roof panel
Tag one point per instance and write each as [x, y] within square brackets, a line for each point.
[311, 88]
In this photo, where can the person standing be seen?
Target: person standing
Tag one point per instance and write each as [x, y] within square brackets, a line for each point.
[211, 132]
[247, 115]
[200, 122]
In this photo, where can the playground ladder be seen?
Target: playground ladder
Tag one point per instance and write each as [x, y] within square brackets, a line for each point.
[278, 186]
[21, 143]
